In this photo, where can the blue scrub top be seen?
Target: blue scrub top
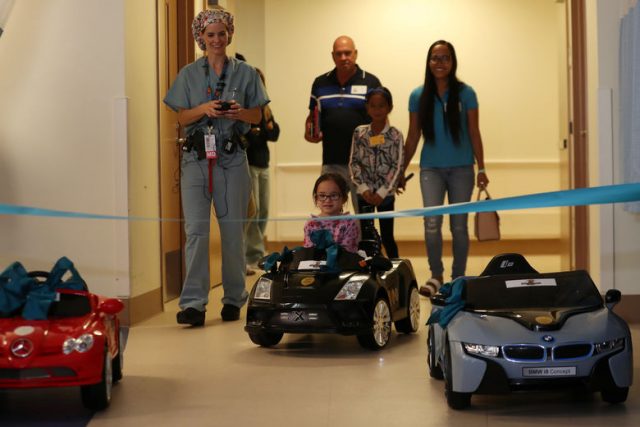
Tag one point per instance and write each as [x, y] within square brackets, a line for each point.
[190, 90]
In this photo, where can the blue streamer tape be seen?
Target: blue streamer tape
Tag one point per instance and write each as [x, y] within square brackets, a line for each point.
[619, 193]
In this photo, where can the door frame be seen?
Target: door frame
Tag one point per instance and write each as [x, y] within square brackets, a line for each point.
[578, 127]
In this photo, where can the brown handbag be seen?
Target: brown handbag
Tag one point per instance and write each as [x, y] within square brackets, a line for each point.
[486, 224]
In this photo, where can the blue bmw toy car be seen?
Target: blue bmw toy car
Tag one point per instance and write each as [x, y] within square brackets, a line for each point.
[513, 328]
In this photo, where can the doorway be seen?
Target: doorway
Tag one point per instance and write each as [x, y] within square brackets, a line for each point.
[175, 50]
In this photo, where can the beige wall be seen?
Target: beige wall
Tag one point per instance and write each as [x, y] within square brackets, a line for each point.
[513, 67]
[63, 135]
[141, 86]
[79, 132]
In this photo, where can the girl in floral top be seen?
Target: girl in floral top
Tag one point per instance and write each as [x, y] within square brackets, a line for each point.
[330, 193]
[377, 162]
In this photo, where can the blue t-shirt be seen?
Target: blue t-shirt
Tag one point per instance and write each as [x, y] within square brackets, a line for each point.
[444, 153]
[190, 90]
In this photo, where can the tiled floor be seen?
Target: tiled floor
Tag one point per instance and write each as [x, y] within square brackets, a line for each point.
[215, 376]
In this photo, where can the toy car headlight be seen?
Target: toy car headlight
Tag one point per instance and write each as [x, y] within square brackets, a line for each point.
[603, 347]
[263, 289]
[482, 350]
[350, 290]
[81, 344]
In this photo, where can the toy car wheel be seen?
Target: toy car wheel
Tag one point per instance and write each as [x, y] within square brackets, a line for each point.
[118, 362]
[434, 370]
[411, 323]
[613, 394]
[455, 400]
[381, 330]
[265, 339]
[98, 396]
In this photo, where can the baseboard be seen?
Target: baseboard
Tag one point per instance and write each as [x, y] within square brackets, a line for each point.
[141, 307]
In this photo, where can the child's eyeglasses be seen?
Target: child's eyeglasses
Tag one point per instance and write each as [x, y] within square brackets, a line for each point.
[323, 197]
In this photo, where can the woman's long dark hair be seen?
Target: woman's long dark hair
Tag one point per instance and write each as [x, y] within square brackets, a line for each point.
[429, 94]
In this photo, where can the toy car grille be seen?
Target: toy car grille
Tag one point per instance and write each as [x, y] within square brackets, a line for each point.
[524, 352]
[572, 351]
[35, 373]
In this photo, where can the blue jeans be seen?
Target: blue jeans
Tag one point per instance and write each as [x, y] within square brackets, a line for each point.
[230, 197]
[254, 245]
[457, 183]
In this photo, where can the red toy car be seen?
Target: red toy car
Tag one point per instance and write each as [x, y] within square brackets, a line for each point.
[79, 344]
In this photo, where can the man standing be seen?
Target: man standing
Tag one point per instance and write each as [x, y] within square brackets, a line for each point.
[338, 102]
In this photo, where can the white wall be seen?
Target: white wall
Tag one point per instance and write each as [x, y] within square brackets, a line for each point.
[61, 82]
[507, 50]
[619, 230]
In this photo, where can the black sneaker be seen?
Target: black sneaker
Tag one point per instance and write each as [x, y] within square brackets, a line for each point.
[230, 312]
[190, 316]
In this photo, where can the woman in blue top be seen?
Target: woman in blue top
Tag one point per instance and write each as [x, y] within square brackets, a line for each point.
[217, 97]
[445, 111]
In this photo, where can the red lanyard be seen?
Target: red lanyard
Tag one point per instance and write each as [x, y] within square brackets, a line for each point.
[214, 95]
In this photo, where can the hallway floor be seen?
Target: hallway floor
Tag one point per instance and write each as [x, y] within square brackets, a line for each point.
[215, 376]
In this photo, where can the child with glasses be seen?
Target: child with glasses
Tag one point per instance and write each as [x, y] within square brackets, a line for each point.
[330, 193]
[376, 163]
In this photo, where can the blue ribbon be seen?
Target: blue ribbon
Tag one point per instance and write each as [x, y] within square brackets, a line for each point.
[620, 193]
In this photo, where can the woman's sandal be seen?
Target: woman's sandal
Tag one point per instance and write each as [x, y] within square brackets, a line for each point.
[430, 288]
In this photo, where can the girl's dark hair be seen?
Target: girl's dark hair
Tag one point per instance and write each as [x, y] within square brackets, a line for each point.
[386, 93]
[430, 92]
[338, 179]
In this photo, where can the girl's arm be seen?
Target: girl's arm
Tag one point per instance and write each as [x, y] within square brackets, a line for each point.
[355, 163]
[350, 236]
[308, 228]
[476, 142]
[413, 137]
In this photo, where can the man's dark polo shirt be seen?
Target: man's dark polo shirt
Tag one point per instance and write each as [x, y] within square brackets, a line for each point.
[342, 109]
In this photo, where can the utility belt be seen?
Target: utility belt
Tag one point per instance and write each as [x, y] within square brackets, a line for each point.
[229, 145]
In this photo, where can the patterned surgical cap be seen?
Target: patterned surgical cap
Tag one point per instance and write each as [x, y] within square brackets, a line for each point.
[210, 16]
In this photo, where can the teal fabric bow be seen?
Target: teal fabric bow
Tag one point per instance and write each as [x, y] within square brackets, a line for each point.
[453, 302]
[19, 292]
[323, 239]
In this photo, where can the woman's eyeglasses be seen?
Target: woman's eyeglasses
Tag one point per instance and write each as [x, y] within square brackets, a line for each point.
[440, 59]
[331, 196]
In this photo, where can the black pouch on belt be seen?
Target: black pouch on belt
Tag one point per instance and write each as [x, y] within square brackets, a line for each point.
[195, 141]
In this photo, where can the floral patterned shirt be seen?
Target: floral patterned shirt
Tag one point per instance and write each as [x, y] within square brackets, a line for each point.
[376, 160]
[345, 232]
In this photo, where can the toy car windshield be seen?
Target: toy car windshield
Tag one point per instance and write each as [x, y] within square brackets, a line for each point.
[70, 305]
[573, 289]
[312, 259]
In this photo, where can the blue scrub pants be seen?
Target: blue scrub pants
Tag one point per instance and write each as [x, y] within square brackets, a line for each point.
[230, 197]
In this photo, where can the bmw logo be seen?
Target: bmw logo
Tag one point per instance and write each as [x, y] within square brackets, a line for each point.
[548, 338]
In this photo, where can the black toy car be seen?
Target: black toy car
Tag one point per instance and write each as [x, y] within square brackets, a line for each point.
[303, 293]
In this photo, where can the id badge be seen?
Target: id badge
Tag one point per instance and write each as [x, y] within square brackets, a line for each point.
[376, 140]
[210, 146]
